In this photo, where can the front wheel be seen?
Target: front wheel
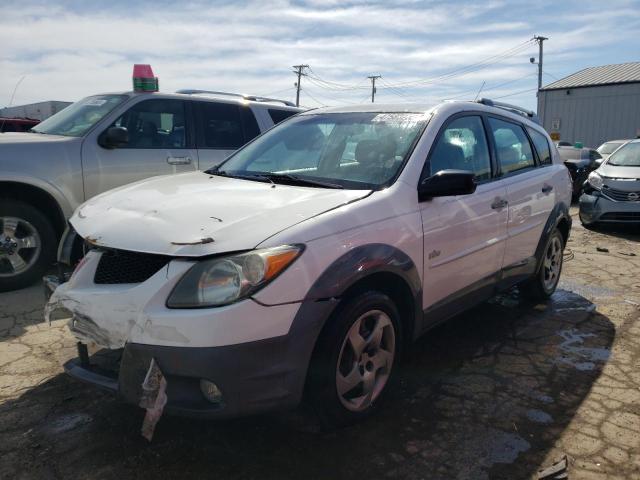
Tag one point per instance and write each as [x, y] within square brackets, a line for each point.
[355, 359]
[27, 244]
[542, 285]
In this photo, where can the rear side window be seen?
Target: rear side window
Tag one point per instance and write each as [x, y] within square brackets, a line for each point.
[512, 146]
[462, 146]
[541, 145]
[279, 115]
[225, 126]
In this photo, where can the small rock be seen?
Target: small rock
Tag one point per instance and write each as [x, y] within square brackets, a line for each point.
[628, 254]
[411, 448]
[602, 249]
[396, 457]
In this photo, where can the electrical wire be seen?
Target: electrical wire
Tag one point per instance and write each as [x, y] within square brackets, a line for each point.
[516, 93]
[487, 62]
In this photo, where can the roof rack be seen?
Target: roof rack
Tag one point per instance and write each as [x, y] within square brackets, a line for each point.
[512, 108]
[253, 98]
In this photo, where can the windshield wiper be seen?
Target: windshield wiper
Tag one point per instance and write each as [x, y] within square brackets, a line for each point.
[222, 173]
[295, 180]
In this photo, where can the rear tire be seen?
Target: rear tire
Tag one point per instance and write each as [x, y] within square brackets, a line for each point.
[354, 360]
[27, 244]
[544, 283]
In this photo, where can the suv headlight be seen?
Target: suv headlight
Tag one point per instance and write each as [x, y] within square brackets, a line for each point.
[595, 180]
[224, 280]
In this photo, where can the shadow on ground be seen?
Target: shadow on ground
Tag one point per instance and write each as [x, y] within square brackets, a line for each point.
[484, 396]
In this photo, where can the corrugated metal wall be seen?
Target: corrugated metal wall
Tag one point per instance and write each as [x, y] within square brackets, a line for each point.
[39, 111]
[592, 115]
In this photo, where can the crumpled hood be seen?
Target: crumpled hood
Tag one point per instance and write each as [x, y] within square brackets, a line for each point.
[196, 214]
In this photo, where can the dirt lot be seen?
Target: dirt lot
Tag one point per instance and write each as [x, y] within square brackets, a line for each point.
[499, 392]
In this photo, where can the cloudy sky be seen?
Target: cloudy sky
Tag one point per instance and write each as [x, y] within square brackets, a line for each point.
[425, 50]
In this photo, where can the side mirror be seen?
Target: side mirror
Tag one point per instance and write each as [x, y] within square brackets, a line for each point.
[114, 137]
[447, 183]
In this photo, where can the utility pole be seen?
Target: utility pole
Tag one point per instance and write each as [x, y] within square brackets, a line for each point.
[539, 39]
[373, 86]
[299, 71]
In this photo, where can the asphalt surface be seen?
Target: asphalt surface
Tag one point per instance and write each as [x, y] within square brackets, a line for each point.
[502, 391]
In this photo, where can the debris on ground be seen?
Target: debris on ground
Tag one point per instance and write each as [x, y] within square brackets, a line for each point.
[602, 249]
[153, 398]
[557, 471]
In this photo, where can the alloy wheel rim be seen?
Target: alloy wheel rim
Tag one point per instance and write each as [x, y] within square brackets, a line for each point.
[19, 246]
[552, 264]
[365, 360]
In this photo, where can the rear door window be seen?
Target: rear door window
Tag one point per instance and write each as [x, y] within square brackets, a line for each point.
[219, 126]
[541, 145]
[279, 115]
[512, 146]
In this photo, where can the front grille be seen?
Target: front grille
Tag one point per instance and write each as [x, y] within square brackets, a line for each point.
[117, 266]
[619, 195]
[621, 216]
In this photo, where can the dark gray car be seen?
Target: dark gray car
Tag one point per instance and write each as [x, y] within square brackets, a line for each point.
[612, 192]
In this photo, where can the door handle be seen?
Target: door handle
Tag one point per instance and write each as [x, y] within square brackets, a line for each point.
[499, 203]
[546, 188]
[179, 160]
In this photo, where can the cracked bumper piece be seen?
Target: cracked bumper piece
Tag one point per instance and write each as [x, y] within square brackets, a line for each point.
[597, 208]
[254, 377]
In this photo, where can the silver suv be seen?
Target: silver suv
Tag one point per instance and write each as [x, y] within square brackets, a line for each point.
[105, 141]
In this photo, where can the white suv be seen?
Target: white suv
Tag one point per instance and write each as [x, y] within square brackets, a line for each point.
[311, 257]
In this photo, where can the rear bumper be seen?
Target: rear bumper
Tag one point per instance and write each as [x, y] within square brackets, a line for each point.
[595, 208]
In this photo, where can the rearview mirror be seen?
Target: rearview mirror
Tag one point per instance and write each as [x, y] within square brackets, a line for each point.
[114, 137]
[447, 183]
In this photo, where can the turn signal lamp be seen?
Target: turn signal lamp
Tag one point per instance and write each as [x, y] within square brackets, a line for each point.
[143, 79]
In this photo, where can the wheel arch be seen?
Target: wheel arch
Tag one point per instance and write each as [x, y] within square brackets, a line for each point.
[37, 197]
[560, 219]
[378, 267]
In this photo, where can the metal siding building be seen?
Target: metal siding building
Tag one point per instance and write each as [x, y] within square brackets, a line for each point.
[39, 111]
[593, 105]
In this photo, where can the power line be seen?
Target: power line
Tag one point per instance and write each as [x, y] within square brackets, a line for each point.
[492, 60]
[516, 93]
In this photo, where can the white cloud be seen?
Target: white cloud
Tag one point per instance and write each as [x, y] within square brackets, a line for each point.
[68, 53]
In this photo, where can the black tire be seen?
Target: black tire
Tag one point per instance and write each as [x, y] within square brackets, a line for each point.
[322, 392]
[41, 259]
[540, 287]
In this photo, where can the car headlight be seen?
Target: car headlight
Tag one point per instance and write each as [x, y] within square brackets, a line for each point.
[595, 180]
[224, 280]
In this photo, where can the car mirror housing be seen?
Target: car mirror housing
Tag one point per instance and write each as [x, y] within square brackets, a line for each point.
[114, 137]
[447, 183]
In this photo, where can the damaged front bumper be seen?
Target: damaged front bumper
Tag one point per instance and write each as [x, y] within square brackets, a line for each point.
[237, 347]
[253, 378]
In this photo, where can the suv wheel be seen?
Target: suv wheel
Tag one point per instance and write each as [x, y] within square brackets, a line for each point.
[27, 244]
[545, 281]
[355, 359]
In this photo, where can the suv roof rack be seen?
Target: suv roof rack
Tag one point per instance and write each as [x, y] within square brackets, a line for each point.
[512, 108]
[253, 98]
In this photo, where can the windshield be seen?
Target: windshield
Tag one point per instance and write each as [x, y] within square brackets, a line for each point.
[609, 147]
[627, 156]
[77, 119]
[352, 150]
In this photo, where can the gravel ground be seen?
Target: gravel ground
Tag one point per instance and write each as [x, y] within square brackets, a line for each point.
[500, 392]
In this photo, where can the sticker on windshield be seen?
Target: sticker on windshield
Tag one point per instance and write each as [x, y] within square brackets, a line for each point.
[95, 102]
[399, 119]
